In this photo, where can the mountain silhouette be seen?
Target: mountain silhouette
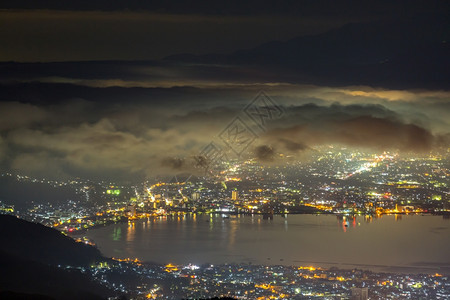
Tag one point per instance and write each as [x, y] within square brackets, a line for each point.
[410, 52]
[29, 258]
[43, 244]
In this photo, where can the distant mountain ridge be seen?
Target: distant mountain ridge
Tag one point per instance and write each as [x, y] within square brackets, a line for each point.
[351, 42]
[412, 51]
[409, 53]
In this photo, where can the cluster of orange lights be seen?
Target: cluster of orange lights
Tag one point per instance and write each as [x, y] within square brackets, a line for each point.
[171, 268]
[272, 288]
[129, 260]
[272, 297]
[311, 268]
[319, 276]
[264, 286]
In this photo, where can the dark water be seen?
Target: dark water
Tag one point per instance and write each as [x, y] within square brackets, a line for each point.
[412, 243]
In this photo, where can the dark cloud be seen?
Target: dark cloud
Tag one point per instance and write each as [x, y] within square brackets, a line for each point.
[379, 133]
[293, 146]
[264, 153]
[2, 150]
[361, 132]
[202, 162]
[173, 163]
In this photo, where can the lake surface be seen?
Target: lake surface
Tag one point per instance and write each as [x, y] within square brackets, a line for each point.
[412, 243]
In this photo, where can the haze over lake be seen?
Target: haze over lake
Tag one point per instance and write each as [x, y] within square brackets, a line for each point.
[412, 243]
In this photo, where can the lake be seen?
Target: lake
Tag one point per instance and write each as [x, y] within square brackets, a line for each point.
[402, 243]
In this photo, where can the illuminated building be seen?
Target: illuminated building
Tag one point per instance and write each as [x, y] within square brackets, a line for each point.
[360, 293]
[195, 196]
[132, 210]
[114, 192]
[234, 195]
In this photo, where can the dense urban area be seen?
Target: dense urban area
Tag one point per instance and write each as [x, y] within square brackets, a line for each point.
[246, 281]
[334, 181]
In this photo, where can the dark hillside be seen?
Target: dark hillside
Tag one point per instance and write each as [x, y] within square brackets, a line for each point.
[43, 244]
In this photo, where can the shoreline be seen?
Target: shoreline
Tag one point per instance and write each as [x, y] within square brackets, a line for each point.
[269, 216]
[411, 268]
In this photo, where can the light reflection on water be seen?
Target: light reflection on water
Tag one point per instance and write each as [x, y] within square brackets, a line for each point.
[413, 242]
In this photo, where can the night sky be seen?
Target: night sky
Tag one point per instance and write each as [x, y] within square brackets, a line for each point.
[129, 89]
